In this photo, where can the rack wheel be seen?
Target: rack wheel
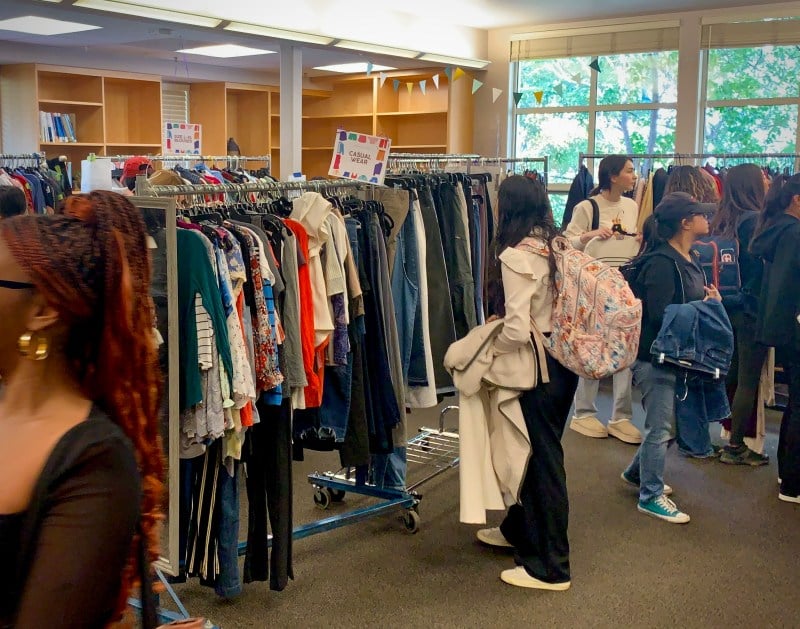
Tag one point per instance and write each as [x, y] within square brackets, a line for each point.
[337, 495]
[322, 498]
[411, 521]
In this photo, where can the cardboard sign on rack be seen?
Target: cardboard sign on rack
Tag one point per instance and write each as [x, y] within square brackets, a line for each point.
[360, 156]
[182, 138]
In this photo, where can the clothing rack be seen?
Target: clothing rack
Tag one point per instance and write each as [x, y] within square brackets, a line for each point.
[693, 156]
[315, 185]
[39, 158]
[469, 159]
[195, 158]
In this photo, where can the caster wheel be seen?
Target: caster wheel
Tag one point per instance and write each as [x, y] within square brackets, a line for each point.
[411, 521]
[337, 495]
[322, 498]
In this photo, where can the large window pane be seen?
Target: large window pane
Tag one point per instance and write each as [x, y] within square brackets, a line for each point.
[558, 201]
[650, 77]
[559, 136]
[769, 129]
[638, 131]
[563, 82]
[743, 73]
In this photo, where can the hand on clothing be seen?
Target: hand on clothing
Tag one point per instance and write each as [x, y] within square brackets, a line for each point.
[494, 317]
[712, 293]
[604, 233]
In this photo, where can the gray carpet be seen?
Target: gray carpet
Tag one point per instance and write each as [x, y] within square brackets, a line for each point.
[734, 565]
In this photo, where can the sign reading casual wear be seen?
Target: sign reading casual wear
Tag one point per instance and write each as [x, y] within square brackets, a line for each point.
[182, 138]
[360, 156]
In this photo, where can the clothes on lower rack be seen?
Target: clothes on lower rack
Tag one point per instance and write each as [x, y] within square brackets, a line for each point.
[44, 188]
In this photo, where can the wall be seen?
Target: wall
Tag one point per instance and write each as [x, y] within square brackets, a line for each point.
[492, 119]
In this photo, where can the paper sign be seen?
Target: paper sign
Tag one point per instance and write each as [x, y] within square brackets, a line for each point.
[360, 156]
[182, 138]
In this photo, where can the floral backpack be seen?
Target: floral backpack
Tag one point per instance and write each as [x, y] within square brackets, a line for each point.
[596, 318]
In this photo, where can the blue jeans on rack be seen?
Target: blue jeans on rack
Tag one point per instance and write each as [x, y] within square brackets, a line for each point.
[389, 470]
[658, 398]
[335, 409]
[405, 293]
[228, 584]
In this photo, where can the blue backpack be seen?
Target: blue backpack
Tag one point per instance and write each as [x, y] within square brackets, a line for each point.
[719, 259]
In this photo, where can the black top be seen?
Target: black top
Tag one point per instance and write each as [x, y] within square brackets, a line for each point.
[666, 278]
[779, 304]
[63, 558]
[751, 267]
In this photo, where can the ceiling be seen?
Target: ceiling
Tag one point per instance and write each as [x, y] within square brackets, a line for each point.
[456, 27]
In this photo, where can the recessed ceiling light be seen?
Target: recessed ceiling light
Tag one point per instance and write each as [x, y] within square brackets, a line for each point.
[226, 51]
[36, 25]
[266, 31]
[378, 49]
[352, 68]
[456, 61]
[129, 8]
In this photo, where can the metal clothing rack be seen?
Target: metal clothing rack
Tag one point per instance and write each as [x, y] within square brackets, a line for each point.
[315, 185]
[434, 159]
[39, 158]
[231, 160]
[694, 156]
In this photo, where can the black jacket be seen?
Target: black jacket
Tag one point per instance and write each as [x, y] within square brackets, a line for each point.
[579, 191]
[751, 267]
[663, 277]
[779, 303]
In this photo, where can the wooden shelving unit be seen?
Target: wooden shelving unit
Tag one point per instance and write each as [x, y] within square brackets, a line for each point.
[115, 112]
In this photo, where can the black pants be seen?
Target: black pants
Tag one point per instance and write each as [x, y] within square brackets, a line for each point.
[789, 442]
[744, 377]
[268, 455]
[537, 526]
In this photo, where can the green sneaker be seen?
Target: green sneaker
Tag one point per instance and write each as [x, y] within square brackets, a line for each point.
[663, 508]
[742, 455]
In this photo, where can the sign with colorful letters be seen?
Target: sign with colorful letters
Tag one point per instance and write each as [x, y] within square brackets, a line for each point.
[182, 138]
[360, 156]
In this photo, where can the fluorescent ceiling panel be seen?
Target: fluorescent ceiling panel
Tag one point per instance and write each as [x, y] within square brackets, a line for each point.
[226, 51]
[279, 33]
[36, 25]
[353, 68]
[128, 8]
[456, 61]
[377, 49]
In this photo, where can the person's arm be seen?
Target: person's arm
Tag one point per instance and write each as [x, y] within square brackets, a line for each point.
[519, 290]
[579, 231]
[83, 543]
[659, 288]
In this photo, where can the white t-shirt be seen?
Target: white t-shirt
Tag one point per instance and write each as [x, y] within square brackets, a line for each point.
[625, 211]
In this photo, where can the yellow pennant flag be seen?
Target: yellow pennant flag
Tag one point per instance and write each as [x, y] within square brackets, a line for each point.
[409, 87]
[458, 74]
[538, 96]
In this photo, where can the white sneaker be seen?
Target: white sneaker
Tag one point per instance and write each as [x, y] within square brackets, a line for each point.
[589, 426]
[624, 430]
[493, 537]
[667, 488]
[787, 498]
[519, 576]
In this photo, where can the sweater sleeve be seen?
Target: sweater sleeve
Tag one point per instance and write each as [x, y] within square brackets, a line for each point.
[659, 292]
[580, 224]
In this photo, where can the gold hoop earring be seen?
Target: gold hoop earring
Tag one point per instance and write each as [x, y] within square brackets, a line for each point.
[34, 348]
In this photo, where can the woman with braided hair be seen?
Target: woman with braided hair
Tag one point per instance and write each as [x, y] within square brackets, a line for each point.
[80, 453]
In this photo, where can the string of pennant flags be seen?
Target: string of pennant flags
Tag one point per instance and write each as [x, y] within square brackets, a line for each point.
[454, 74]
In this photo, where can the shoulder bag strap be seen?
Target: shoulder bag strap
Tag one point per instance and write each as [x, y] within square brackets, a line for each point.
[595, 214]
[541, 354]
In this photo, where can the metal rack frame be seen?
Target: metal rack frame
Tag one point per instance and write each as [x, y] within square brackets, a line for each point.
[39, 158]
[695, 156]
[469, 159]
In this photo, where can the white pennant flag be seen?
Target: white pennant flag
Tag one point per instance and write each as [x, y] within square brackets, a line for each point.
[496, 93]
[383, 78]
[436, 80]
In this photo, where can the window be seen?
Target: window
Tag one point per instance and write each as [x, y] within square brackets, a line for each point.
[752, 99]
[628, 107]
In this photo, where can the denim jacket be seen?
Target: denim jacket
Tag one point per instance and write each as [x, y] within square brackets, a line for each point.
[696, 336]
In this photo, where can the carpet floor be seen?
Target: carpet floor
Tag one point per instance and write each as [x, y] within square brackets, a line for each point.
[736, 564]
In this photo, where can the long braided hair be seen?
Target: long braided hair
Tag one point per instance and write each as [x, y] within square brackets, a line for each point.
[91, 264]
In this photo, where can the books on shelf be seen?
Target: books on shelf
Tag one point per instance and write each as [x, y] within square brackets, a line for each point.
[55, 127]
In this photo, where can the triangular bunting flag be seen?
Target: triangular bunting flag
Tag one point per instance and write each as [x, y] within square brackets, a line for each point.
[423, 86]
[409, 87]
[458, 74]
[577, 78]
[396, 84]
[496, 93]
[646, 97]
[595, 64]
[559, 89]
[517, 98]
[538, 96]
[369, 68]
[436, 80]
[383, 78]
[448, 72]
[476, 85]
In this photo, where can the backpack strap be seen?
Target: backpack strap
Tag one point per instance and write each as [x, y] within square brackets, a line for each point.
[595, 214]
[541, 356]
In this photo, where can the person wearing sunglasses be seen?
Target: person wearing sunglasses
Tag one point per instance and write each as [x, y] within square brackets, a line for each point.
[80, 452]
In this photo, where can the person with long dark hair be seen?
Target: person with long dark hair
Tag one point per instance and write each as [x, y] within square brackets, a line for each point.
[80, 452]
[736, 219]
[523, 273]
[777, 242]
[616, 175]
[668, 273]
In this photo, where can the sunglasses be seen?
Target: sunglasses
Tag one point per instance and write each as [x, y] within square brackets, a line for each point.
[15, 285]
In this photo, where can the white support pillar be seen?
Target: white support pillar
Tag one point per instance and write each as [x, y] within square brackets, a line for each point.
[688, 131]
[291, 110]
